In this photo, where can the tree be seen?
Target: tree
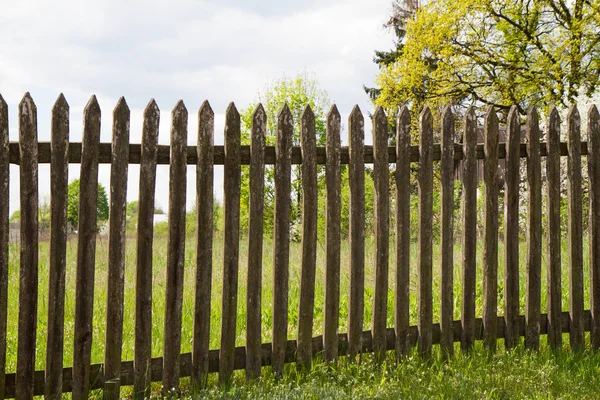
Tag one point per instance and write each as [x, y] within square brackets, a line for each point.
[493, 52]
[73, 204]
[297, 93]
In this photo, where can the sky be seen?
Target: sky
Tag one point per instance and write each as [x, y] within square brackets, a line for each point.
[223, 51]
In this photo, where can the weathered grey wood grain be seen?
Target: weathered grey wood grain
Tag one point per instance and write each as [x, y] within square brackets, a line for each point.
[255, 244]
[425, 235]
[204, 244]
[309, 237]
[145, 233]
[4, 237]
[231, 242]
[446, 239]
[490, 230]
[511, 229]
[175, 250]
[534, 231]
[356, 181]
[593, 135]
[401, 297]
[574, 199]
[553, 234]
[381, 179]
[281, 235]
[86, 250]
[332, 236]
[59, 172]
[469, 239]
[116, 251]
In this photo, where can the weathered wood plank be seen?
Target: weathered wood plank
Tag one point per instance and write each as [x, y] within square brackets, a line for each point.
[116, 251]
[255, 245]
[534, 232]
[446, 239]
[86, 250]
[309, 237]
[176, 249]
[231, 242]
[59, 172]
[425, 235]
[553, 234]
[333, 236]
[574, 198]
[381, 178]
[593, 135]
[204, 244]
[281, 235]
[145, 234]
[469, 239]
[511, 229]
[356, 180]
[4, 237]
[490, 230]
[401, 298]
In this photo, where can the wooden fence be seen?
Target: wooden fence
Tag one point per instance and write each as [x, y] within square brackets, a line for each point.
[113, 373]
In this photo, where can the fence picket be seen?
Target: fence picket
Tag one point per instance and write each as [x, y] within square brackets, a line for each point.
[574, 196]
[204, 244]
[425, 183]
[401, 299]
[281, 237]
[447, 240]
[553, 234]
[176, 249]
[4, 237]
[332, 233]
[255, 244]
[145, 234]
[59, 172]
[490, 231]
[534, 231]
[356, 180]
[116, 251]
[381, 178]
[231, 242]
[469, 240]
[511, 230]
[86, 250]
[593, 134]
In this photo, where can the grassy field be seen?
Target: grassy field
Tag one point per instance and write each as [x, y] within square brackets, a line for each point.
[478, 375]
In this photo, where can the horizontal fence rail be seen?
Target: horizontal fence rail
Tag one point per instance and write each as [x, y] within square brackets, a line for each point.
[391, 172]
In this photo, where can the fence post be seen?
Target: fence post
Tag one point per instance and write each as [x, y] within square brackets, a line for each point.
[86, 250]
[332, 233]
[402, 299]
[231, 242]
[281, 235]
[534, 231]
[490, 231]
[176, 248]
[145, 235]
[255, 244]
[59, 172]
[553, 233]
[356, 180]
[204, 244]
[447, 240]
[116, 251]
[575, 229]
[4, 237]
[425, 239]
[593, 133]
[511, 230]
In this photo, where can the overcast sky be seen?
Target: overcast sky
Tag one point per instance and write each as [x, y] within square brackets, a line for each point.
[222, 51]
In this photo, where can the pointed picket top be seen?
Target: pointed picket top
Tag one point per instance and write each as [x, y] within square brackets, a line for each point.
[121, 108]
[447, 114]
[307, 114]
[593, 115]
[92, 106]
[285, 115]
[205, 109]
[179, 109]
[470, 115]
[379, 115]
[259, 115]
[573, 113]
[533, 122]
[403, 116]
[490, 118]
[151, 109]
[513, 119]
[60, 105]
[231, 112]
[553, 116]
[356, 115]
[533, 113]
[426, 116]
[333, 114]
[27, 105]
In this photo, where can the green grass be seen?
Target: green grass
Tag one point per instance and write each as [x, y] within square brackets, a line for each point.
[412, 378]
